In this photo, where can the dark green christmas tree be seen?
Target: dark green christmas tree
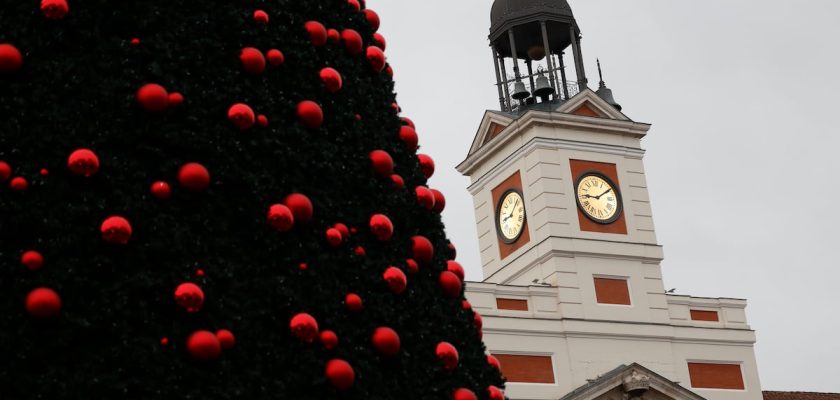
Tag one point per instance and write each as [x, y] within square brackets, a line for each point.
[219, 200]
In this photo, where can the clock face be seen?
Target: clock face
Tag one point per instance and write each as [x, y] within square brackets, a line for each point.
[510, 216]
[598, 198]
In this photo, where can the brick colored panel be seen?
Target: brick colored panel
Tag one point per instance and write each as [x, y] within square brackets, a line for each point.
[701, 315]
[716, 376]
[579, 168]
[513, 182]
[494, 130]
[586, 111]
[526, 369]
[512, 304]
[612, 291]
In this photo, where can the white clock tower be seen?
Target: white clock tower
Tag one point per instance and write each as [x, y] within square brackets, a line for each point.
[573, 299]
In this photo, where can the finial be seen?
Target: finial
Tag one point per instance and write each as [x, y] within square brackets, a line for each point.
[600, 74]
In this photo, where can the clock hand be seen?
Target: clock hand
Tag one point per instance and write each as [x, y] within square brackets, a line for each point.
[602, 194]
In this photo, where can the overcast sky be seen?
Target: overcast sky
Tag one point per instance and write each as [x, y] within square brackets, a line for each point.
[741, 161]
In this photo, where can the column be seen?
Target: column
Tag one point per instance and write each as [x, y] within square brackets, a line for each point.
[498, 79]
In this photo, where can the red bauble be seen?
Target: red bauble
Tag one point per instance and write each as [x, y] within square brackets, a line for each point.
[301, 207]
[253, 60]
[352, 41]
[376, 58]
[381, 227]
[334, 237]
[333, 36]
[373, 19]
[360, 251]
[204, 346]
[408, 122]
[440, 201]
[494, 362]
[465, 304]
[42, 172]
[18, 184]
[176, 99]
[425, 197]
[340, 374]
[83, 162]
[161, 190]
[379, 40]
[383, 164]
[10, 58]
[116, 230]
[455, 268]
[260, 17]
[32, 260]
[412, 266]
[275, 57]
[450, 284]
[398, 181]
[331, 79]
[494, 393]
[464, 394]
[226, 339]
[478, 321]
[452, 250]
[262, 120]
[43, 303]
[395, 279]
[281, 217]
[409, 136]
[242, 115]
[422, 249]
[448, 355]
[427, 165]
[310, 114]
[134, 41]
[153, 97]
[317, 33]
[386, 341]
[304, 327]
[5, 171]
[329, 339]
[389, 71]
[194, 177]
[353, 302]
[355, 4]
[345, 231]
[396, 107]
[54, 9]
[189, 296]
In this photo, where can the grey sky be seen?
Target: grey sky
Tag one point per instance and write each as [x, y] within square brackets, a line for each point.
[741, 160]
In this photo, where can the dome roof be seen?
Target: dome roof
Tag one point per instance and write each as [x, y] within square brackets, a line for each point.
[513, 12]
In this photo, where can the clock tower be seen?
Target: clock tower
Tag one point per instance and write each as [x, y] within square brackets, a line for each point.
[573, 294]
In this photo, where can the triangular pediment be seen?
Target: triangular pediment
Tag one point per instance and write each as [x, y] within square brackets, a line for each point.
[588, 104]
[633, 380]
[492, 125]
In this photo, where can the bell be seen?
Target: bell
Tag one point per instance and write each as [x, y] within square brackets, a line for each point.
[544, 88]
[519, 91]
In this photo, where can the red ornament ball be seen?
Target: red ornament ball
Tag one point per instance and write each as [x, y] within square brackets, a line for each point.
[464, 394]
[425, 197]
[386, 341]
[465, 304]
[494, 362]
[331, 79]
[116, 230]
[310, 114]
[440, 201]
[32, 259]
[452, 250]
[345, 231]
[383, 164]
[412, 266]
[5, 171]
[353, 302]
[10, 58]
[333, 237]
[422, 249]
[379, 40]
[301, 207]
[281, 217]
[175, 99]
[189, 296]
[360, 251]
[262, 120]
[455, 268]
[478, 321]
[408, 121]
[43, 303]
[427, 165]
[83, 162]
[204, 346]
[409, 136]
[252, 60]
[329, 339]
[450, 284]
[398, 181]
[352, 41]
[304, 327]
[134, 41]
[44, 172]
[242, 115]
[376, 58]
[355, 4]
[333, 36]
[18, 184]
[494, 393]
[161, 190]
[226, 339]
[373, 19]
[448, 355]
[164, 341]
[194, 177]
[260, 17]
[395, 279]
[381, 227]
[389, 71]
[153, 97]
[340, 374]
[54, 9]
[275, 57]
[317, 33]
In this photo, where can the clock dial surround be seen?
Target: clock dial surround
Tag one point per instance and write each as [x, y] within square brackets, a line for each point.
[510, 216]
[598, 197]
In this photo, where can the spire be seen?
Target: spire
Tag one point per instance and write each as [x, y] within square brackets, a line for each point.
[603, 91]
[600, 75]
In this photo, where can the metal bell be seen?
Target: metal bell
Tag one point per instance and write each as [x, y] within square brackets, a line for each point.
[544, 88]
[520, 92]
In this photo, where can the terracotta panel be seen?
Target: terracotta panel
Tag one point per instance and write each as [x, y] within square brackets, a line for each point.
[579, 168]
[494, 130]
[612, 291]
[526, 369]
[513, 182]
[512, 304]
[716, 376]
[701, 315]
[586, 111]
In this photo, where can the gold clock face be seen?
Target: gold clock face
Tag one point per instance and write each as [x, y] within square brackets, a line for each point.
[598, 198]
[510, 216]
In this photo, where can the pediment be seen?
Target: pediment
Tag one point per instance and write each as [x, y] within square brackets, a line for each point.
[629, 381]
[492, 125]
[588, 104]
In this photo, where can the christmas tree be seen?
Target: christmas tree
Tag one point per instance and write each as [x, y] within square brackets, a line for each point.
[219, 200]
